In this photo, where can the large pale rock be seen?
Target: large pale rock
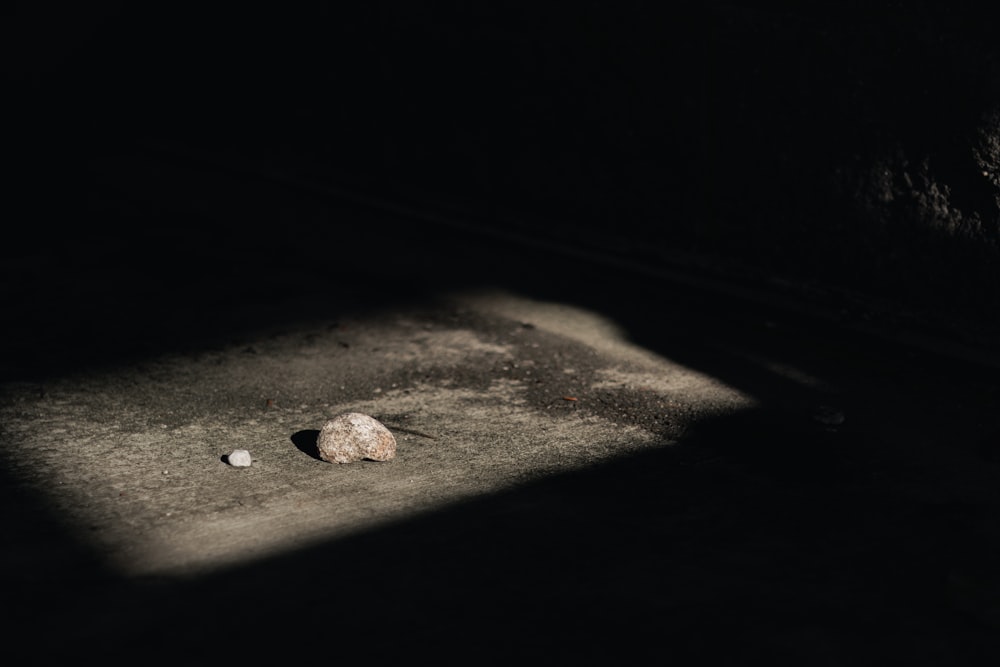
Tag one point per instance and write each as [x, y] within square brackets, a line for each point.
[354, 436]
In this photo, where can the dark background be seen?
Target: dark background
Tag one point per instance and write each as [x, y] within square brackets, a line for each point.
[841, 151]
[177, 168]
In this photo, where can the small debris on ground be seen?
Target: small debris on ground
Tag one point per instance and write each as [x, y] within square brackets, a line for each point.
[239, 458]
[828, 415]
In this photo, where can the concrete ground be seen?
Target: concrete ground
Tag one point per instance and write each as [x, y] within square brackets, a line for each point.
[595, 463]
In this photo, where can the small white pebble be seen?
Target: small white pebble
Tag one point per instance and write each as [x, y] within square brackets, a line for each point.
[240, 458]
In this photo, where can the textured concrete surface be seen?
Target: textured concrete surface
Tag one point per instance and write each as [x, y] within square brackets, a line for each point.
[637, 420]
[592, 464]
[482, 393]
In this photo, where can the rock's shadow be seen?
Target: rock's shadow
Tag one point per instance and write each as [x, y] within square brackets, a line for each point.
[305, 442]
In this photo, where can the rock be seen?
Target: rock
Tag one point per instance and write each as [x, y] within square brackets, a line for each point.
[354, 436]
[240, 458]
